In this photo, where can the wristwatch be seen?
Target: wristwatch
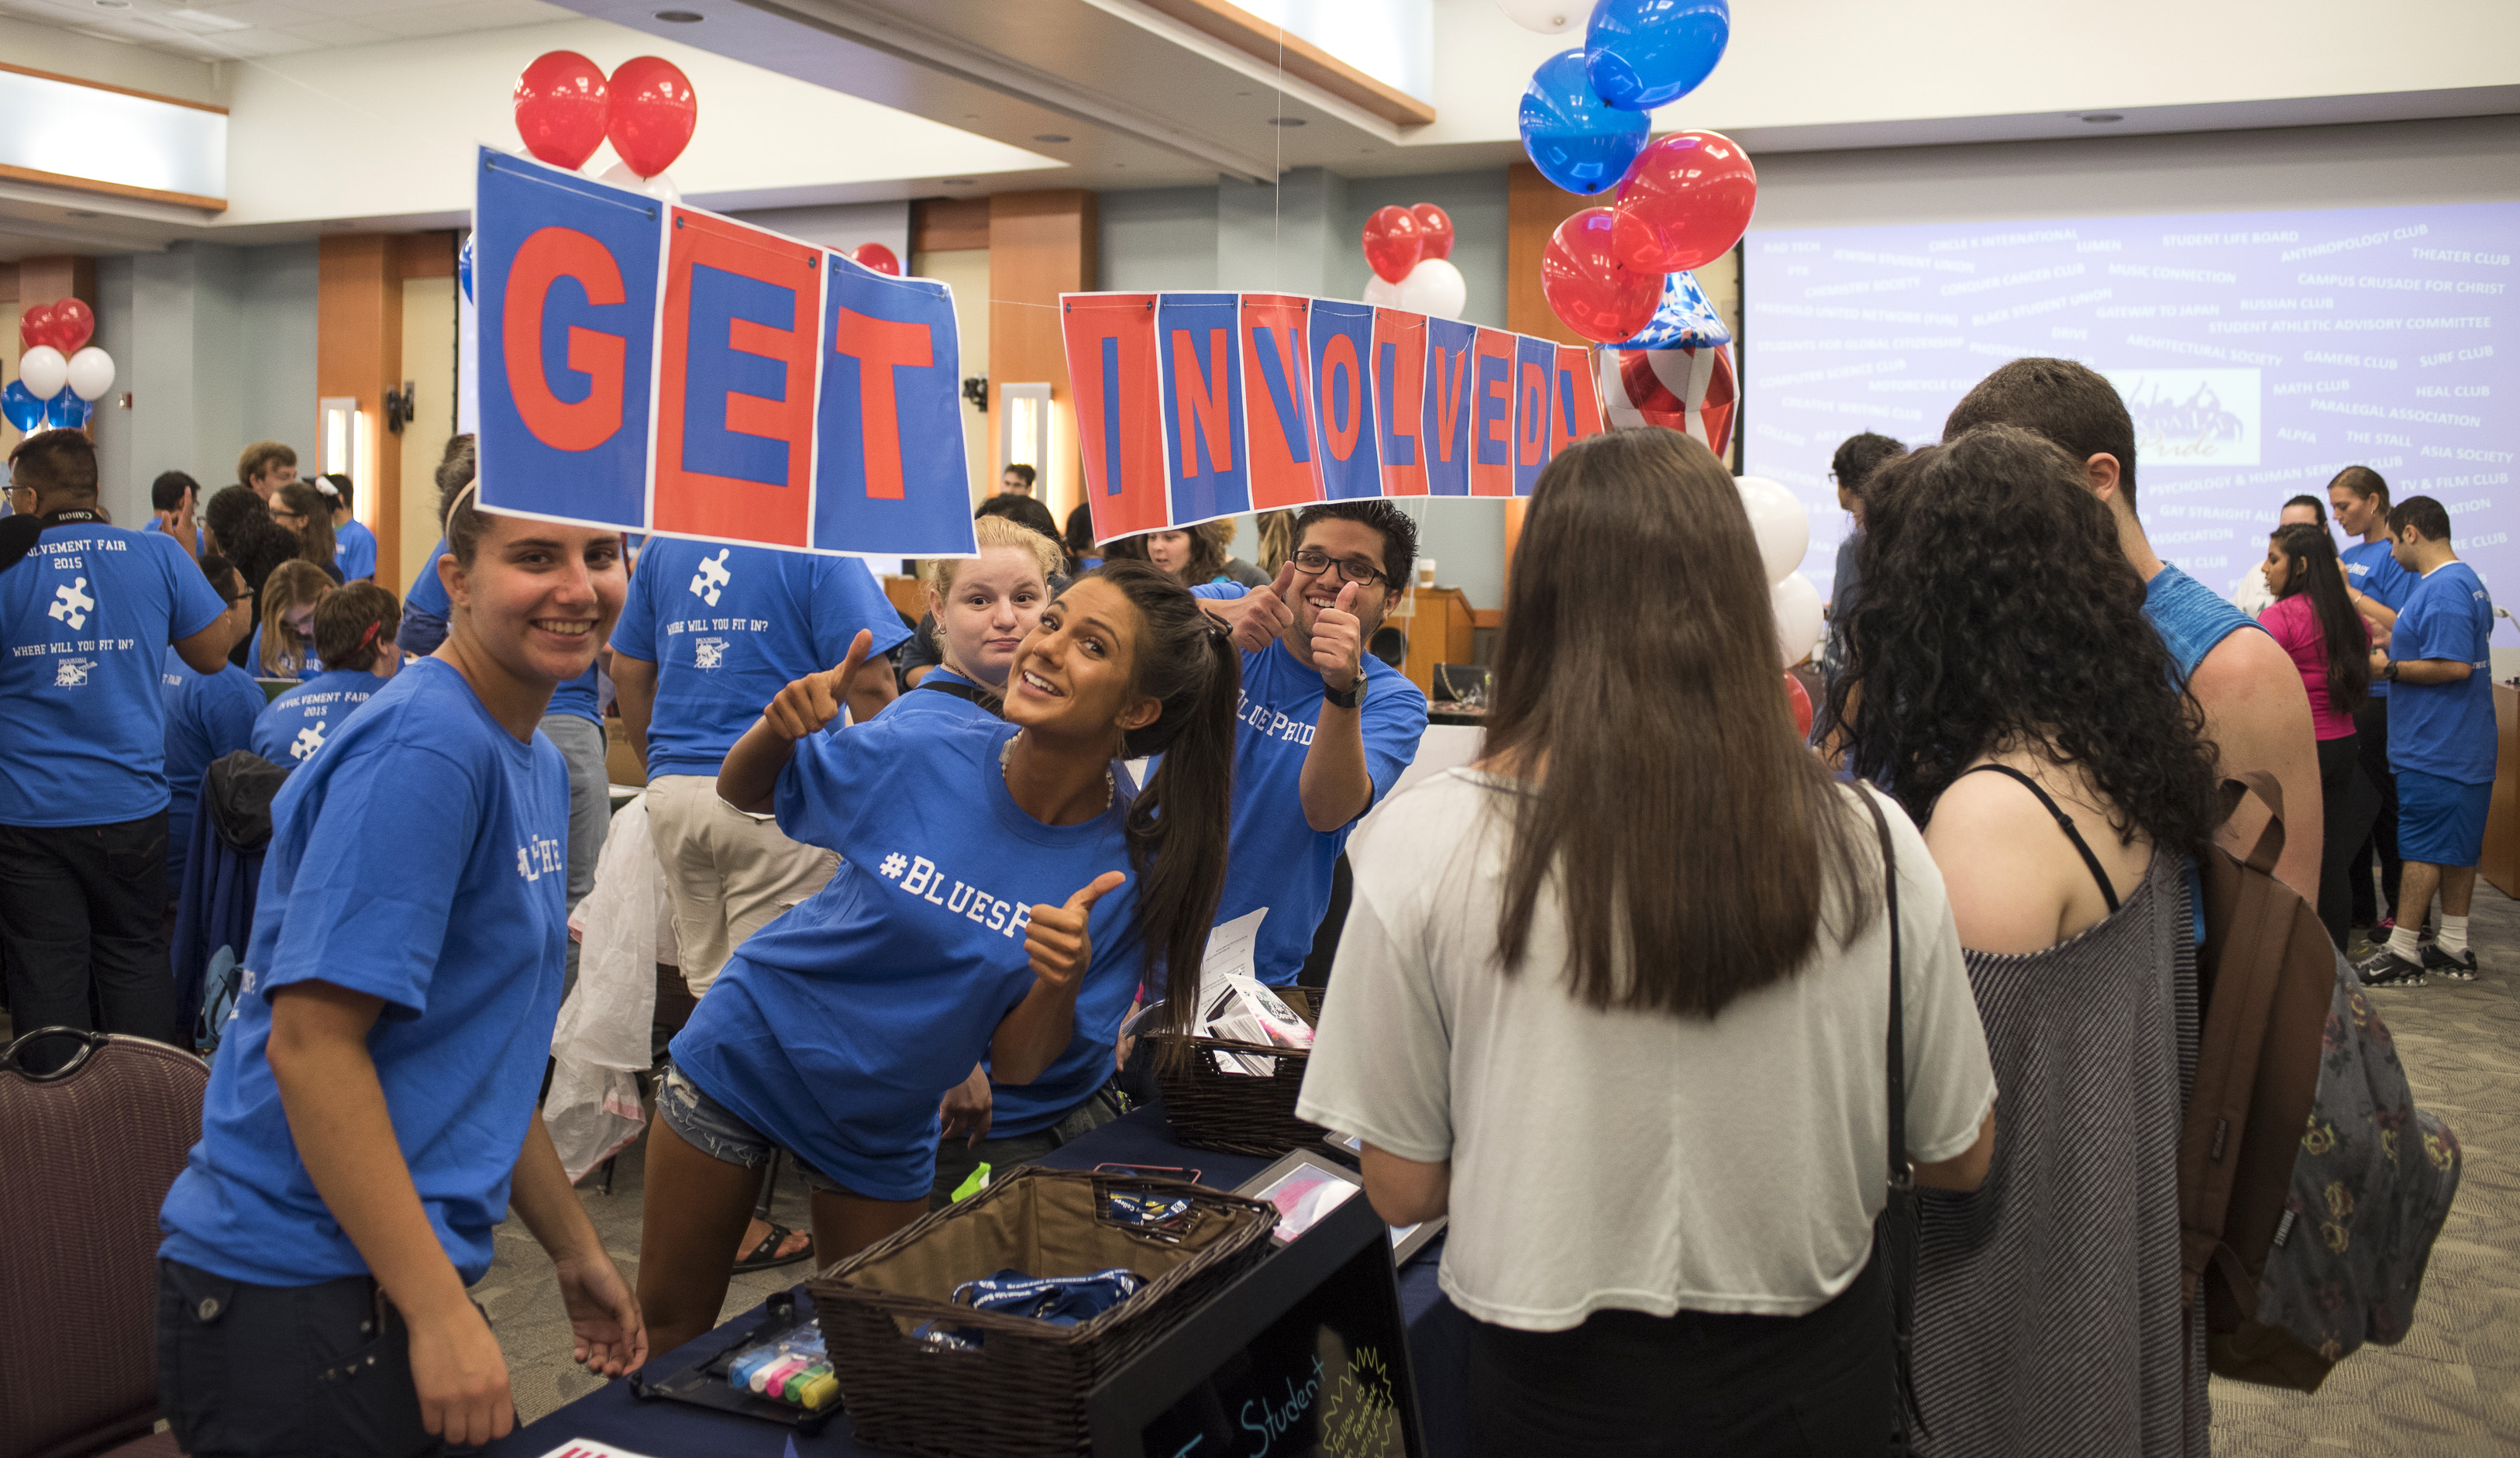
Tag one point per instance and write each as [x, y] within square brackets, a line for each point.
[1345, 698]
[2389, 670]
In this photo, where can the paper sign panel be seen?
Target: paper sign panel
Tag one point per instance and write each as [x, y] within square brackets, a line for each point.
[1209, 471]
[1343, 400]
[1534, 362]
[1450, 406]
[735, 422]
[1111, 361]
[565, 285]
[1278, 402]
[1400, 400]
[1575, 404]
[1492, 414]
[889, 477]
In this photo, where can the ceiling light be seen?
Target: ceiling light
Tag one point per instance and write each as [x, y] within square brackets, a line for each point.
[111, 4]
[77, 212]
[202, 22]
[955, 182]
[1050, 137]
[2098, 116]
[1285, 122]
[681, 16]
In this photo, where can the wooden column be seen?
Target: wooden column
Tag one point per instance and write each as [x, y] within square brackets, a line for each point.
[358, 354]
[54, 278]
[1041, 244]
[1534, 206]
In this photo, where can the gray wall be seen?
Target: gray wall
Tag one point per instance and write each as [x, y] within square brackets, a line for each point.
[216, 345]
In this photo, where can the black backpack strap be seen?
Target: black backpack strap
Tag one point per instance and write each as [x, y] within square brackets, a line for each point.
[1896, 1240]
[2065, 823]
[969, 692]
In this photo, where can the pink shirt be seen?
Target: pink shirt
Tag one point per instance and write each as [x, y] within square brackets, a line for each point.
[2293, 622]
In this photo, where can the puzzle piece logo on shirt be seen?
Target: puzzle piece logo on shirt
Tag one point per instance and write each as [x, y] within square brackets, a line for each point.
[712, 577]
[71, 605]
[308, 741]
[71, 673]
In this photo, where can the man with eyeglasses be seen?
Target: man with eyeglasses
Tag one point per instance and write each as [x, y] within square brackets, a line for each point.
[1324, 728]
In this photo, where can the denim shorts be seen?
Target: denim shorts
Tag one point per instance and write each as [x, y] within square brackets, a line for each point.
[715, 1130]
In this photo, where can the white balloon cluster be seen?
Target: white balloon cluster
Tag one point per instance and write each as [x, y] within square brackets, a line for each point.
[1434, 287]
[88, 374]
[1782, 526]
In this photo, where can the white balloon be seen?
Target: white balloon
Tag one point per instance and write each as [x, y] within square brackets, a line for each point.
[661, 187]
[1780, 523]
[1547, 16]
[91, 373]
[44, 371]
[1382, 293]
[1796, 604]
[1436, 288]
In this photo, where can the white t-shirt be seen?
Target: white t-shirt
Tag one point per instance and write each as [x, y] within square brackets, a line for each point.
[1628, 1160]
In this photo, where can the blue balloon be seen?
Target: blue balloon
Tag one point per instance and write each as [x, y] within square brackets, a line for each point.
[463, 266]
[1575, 140]
[1683, 320]
[67, 410]
[1643, 53]
[24, 408]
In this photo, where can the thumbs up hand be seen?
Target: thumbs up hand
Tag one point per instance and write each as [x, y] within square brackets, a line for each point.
[1055, 939]
[809, 703]
[1263, 614]
[1339, 641]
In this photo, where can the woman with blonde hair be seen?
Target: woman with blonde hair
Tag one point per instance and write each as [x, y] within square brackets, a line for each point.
[282, 644]
[302, 511]
[978, 610]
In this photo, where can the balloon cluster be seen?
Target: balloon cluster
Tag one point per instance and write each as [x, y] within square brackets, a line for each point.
[567, 107]
[1410, 251]
[60, 376]
[1683, 202]
[1782, 526]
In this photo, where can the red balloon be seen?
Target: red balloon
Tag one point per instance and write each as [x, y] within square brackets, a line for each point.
[876, 256]
[1800, 698]
[560, 108]
[1685, 201]
[653, 112]
[74, 325]
[1392, 243]
[1586, 286]
[1434, 225]
[35, 326]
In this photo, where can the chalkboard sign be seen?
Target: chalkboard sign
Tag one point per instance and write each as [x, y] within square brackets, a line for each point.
[1304, 1357]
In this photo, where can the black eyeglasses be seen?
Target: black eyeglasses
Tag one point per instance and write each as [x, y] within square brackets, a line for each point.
[1313, 560]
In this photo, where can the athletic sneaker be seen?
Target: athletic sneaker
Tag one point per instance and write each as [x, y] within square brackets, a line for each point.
[2459, 969]
[2386, 969]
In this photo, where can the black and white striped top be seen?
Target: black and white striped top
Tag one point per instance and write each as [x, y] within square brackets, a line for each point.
[2047, 1313]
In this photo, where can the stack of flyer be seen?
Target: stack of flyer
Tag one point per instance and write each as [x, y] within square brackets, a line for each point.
[1241, 1009]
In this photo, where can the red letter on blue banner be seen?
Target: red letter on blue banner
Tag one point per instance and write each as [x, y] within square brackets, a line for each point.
[1450, 406]
[1202, 378]
[1400, 400]
[1343, 400]
[735, 409]
[889, 477]
[1575, 401]
[1112, 358]
[1492, 417]
[1534, 362]
[1278, 402]
[566, 279]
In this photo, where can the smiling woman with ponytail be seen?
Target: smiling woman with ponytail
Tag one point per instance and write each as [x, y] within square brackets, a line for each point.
[1000, 896]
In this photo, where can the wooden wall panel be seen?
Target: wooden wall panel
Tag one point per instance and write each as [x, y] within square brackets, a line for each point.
[55, 277]
[1534, 206]
[358, 352]
[939, 225]
[1041, 244]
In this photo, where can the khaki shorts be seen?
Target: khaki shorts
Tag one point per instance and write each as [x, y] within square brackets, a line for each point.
[727, 873]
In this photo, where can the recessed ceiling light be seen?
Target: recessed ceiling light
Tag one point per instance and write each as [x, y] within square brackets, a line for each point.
[77, 212]
[2098, 116]
[956, 182]
[1050, 137]
[1285, 122]
[681, 16]
[111, 4]
[202, 21]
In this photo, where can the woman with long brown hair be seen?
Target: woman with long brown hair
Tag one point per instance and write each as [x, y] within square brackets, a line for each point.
[302, 511]
[2313, 617]
[284, 643]
[1616, 999]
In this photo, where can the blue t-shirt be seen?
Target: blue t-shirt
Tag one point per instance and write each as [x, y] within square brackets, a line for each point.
[208, 716]
[298, 723]
[424, 611]
[835, 1029]
[727, 627]
[2373, 571]
[255, 665]
[86, 619]
[354, 551]
[2444, 729]
[422, 860]
[2189, 617]
[154, 524]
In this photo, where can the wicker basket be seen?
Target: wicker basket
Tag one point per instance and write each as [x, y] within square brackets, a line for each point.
[1023, 1394]
[1235, 1114]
